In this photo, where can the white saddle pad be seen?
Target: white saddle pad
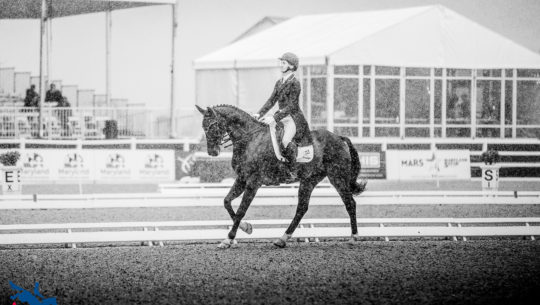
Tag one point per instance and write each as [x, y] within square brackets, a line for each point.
[304, 155]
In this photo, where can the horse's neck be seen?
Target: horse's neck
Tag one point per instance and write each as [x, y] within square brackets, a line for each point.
[238, 123]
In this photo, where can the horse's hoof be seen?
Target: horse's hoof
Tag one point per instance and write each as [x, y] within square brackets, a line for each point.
[280, 243]
[354, 238]
[225, 244]
[246, 227]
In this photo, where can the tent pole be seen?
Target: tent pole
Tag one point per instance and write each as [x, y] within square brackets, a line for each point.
[108, 28]
[41, 78]
[172, 133]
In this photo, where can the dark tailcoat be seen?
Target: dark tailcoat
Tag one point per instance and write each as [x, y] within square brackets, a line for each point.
[287, 96]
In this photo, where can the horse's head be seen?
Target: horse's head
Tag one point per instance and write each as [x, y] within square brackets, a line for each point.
[214, 130]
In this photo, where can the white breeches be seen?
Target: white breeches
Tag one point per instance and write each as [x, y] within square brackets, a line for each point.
[289, 130]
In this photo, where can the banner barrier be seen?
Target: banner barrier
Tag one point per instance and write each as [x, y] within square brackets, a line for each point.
[422, 164]
[76, 165]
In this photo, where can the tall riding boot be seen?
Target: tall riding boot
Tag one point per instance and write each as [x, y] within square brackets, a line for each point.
[292, 164]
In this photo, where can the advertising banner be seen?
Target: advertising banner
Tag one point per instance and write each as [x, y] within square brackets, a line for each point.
[113, 165]
[76, 165]
[422, 164]
[48, 165]
[373, 165]
[156, 165]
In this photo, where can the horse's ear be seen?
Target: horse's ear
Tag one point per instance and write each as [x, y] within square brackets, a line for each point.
[202, 111]
[212, 111]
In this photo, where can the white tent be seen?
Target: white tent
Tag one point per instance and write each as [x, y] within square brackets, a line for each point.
[345, 88]
[430, 36]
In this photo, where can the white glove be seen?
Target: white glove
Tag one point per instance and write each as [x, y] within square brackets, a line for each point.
[268, 120]
[255, 115]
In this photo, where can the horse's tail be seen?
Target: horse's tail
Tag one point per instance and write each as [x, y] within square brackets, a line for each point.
[356, 188]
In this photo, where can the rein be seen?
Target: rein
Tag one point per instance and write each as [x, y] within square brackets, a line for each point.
[227, 137]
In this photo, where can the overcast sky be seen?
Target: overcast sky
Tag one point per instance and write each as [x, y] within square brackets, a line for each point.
[141, 39]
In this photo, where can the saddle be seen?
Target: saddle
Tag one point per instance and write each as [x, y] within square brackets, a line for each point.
[304, 146]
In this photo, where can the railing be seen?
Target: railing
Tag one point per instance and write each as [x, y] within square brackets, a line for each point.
[316, 229]
[84, 123]
[266, 196]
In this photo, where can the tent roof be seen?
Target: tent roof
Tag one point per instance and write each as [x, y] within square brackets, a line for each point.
[428, 36]
[31, 9]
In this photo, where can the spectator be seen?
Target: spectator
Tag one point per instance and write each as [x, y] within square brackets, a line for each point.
[53, 95]
[64, 114]
[31, 99]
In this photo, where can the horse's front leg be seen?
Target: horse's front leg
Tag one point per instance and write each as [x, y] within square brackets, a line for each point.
[236, 190]
[249, 193]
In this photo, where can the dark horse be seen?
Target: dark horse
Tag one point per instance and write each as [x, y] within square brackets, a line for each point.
[255, 165]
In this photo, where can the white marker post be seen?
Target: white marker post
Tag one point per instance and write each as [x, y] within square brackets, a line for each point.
[10, 178]
[490, 177]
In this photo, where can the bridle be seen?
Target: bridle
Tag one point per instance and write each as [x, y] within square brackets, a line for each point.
[226, 137]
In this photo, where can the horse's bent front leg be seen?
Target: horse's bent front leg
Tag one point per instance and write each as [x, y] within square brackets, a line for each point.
[249, 193]
[236, 190]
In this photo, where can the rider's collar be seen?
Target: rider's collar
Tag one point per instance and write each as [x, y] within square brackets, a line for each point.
[285, 78]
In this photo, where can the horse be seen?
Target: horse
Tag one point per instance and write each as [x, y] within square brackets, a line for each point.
[255, 165]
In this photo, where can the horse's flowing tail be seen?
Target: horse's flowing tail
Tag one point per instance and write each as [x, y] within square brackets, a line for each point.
[356, 188]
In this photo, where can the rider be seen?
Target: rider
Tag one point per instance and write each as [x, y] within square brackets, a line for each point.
[286, 93]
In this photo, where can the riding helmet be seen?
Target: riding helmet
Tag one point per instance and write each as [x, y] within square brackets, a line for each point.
[291, 58]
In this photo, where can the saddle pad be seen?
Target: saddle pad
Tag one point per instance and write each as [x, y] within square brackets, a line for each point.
[304, 155]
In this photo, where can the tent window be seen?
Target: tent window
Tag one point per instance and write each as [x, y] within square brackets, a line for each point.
[318, 70]
[528, 133]
[438, 102]
[384, 70]
[508, 88]
[489, 73]
[458, 107]
[488, 102]
[387, 101]
[367, 70]
[346, 70]
[365, 101]
[347, 131]
[318, 102]
[458, 72]
[417, 101]
[488, 105]
[346, 100]
[528, 104]
[417, 72]
[534, 73]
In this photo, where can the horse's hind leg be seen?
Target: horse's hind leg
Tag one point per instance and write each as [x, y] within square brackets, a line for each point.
[304, 194]
[343, 187]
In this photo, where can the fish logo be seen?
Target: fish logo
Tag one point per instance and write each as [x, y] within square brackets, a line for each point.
[29, 298]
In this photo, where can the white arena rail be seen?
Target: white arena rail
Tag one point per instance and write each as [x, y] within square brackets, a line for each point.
[201, 197]
[316, 229]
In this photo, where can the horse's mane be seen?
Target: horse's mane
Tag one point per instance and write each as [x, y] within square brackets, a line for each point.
[243, 115]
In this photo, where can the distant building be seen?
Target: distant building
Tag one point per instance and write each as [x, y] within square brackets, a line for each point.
[263, 24]
[414, 72]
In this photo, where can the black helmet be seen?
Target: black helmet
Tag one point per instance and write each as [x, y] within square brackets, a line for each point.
[291, 58]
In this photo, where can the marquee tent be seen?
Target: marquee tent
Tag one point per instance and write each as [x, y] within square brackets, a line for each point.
[431, 36]
[394, 73]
